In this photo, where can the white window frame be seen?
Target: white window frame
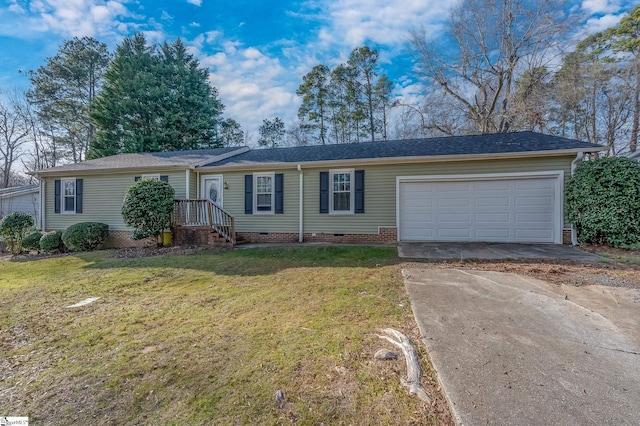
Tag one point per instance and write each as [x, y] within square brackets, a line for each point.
[271, 175]
[63, 196]
[352, 176]
[151, 176]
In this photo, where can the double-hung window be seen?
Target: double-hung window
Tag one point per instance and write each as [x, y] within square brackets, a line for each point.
[68, 201]
[341, 189]
[264, 192]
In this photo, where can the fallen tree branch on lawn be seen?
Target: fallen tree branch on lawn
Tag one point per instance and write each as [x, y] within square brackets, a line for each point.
[412, 383]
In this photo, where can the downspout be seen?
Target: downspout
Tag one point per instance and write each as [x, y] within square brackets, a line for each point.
[301, 236]
[574, 164]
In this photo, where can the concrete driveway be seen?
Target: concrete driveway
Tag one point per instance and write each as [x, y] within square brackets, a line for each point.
[491, 251]
[513, 350]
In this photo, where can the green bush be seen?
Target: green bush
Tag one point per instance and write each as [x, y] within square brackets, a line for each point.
[85, 236]
[13, 228]
[603, 201]
[147, 207]
[32, 241]
[51, 242]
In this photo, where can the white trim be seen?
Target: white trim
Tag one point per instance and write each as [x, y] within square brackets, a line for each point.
[63, 196]
[352, 192]
[151, 176]
[188, 184]
[272, 175]
[558, 175]
[221, 187]
[42, 205]
[301, 207]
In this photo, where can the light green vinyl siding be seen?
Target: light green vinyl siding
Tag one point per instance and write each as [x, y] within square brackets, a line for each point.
[233, 202]
[380, 190]
[193, 185]
[102, 199]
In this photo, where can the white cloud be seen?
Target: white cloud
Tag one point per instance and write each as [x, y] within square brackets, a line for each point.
[353, 22]
[195, 24]
[195, 2]
[72, 17]
[600, 6]
[597, 24]
[165, 16]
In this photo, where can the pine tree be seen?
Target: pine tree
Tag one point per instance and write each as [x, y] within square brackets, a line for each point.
[154, 100]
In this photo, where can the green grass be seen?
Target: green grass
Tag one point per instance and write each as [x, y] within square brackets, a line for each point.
[205, 338]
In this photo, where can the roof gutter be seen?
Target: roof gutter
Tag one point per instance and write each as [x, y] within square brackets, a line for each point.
[111, 170]
[400, 160]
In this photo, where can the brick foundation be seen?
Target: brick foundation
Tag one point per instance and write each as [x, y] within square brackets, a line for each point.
[566, 236]
[385, 235]
[196, 236]
[122, 239]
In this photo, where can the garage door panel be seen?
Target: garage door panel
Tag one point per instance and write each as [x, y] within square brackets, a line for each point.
[453, 234]
[447, 187]
[529, 184]
[492, 217]
[492, 202]
[534, 218]
[445, 202]
[534, 235]
[534, 201]
[492, 209]
[461, 218]
[492, 185]
[493, 233]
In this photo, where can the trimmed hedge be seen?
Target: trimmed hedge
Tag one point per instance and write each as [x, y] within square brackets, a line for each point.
[603, 201]
[85, 236]
[51, 242]
[32, 241]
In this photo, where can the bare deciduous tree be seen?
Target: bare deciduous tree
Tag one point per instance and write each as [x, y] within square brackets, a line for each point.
[15, 132]
[488, 45]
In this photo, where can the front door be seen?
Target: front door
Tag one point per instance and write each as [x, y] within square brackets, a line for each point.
[211, 188]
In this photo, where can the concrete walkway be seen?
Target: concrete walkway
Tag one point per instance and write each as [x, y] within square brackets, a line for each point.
[491, 251]
[512, 350]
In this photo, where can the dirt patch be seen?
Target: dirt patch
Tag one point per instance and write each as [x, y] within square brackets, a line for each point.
[612, 273]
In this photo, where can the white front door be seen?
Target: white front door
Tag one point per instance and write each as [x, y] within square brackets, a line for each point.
[211, 188]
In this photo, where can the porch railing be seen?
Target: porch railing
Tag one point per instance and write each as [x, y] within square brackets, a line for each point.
[204, 213]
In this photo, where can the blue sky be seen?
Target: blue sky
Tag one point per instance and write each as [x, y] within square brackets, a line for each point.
[257, 50]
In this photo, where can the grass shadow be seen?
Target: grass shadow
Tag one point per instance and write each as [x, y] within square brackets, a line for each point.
[258, 260]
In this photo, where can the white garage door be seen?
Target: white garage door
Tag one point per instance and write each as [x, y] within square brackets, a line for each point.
[523, 209]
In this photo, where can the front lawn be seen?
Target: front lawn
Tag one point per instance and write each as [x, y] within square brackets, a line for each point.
[207, 338]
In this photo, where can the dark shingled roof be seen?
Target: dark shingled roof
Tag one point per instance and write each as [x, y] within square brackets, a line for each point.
[501, 143]
[145, 159]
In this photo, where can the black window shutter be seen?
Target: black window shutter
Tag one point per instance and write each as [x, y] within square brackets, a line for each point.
[359, 192]
[324, 192]
[164, 178]
[78, 195]
[57, 196]
[137, 178]
[248, 194]
[279, 193]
